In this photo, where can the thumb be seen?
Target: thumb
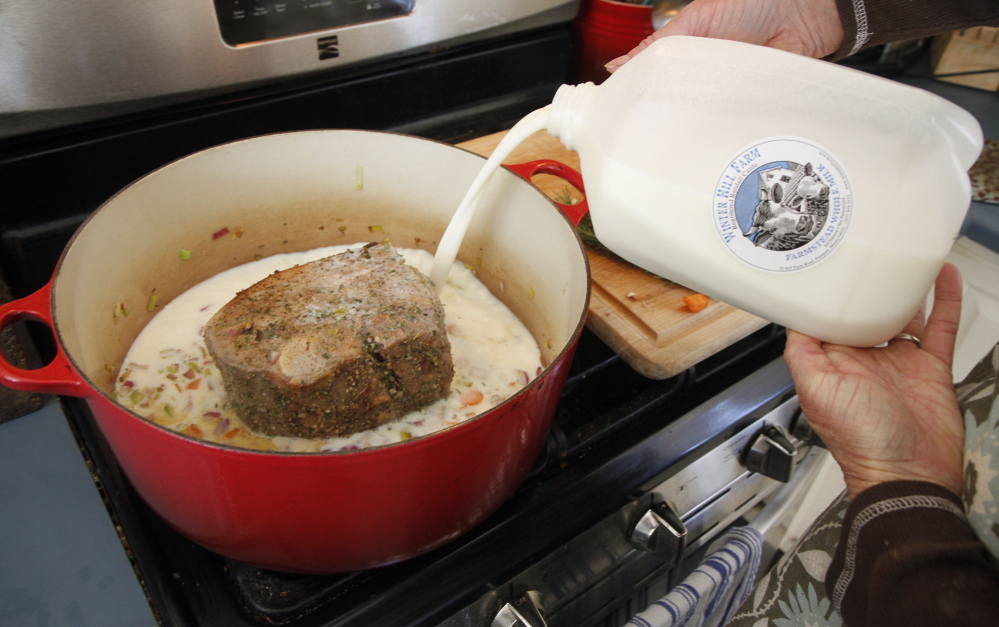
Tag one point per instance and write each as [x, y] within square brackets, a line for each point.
[614, 64]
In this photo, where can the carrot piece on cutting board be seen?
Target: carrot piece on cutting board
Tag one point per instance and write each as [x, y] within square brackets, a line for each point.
[695, 302]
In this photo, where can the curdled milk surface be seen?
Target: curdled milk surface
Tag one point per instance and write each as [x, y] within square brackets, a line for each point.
[168, 376]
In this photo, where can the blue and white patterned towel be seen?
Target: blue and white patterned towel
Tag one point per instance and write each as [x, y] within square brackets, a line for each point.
[711, 594]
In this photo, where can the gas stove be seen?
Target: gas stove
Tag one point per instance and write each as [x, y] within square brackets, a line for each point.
[637, 478]
[609, 516]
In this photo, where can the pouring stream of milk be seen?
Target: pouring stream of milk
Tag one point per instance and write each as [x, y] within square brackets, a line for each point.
[447, 250]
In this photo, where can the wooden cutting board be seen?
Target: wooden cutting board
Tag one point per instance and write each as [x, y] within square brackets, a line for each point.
[640, 316]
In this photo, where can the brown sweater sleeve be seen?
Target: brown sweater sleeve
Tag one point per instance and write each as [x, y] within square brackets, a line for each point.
[869, 23]
[907, 557]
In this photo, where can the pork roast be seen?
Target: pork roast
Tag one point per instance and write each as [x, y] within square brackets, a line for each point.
[333, 347]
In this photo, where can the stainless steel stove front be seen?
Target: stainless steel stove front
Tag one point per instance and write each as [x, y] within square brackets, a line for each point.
[633, 557]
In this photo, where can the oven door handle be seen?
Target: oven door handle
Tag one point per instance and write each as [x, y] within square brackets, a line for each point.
[58, 376]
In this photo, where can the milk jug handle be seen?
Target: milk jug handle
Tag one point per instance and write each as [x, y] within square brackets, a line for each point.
[575, 212]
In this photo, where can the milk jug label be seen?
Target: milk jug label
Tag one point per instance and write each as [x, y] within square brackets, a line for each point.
[782, 205]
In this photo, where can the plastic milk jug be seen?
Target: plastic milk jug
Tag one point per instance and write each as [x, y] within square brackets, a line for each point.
[812, 195]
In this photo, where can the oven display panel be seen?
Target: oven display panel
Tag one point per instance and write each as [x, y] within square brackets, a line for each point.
[249, 21]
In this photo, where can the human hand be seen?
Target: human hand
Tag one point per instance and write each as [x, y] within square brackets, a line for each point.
[807, 27]
[888, 413]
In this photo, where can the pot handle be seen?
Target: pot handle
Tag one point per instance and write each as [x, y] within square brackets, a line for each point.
[57, 377]
[526, 170]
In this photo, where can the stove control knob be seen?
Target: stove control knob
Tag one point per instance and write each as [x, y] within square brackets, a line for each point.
[524, 611]
[804, 432]
[771, 454]
[661, 532]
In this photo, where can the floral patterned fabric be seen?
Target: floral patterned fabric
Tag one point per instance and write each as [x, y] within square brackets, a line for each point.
[978, 399]
[793, 593]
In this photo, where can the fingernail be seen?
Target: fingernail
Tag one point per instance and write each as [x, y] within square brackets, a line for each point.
[614, 64]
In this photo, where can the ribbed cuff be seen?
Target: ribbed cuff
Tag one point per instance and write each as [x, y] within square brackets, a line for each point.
[853, 15]
[869, 23]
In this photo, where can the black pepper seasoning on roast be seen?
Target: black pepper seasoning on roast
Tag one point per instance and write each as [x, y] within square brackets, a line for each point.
[333, 347]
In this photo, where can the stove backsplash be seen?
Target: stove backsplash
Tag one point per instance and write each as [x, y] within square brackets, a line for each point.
[90, 60]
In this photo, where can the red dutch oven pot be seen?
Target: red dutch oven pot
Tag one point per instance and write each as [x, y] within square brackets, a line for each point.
[604, 30]
[328, 512]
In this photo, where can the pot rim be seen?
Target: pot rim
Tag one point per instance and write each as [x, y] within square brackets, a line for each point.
[423, 440]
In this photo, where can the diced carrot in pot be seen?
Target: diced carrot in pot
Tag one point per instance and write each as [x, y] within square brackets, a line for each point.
[193, 430]
[471, 397]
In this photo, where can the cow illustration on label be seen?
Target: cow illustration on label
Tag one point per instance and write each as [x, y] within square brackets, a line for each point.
[793, 206]
[782, 205]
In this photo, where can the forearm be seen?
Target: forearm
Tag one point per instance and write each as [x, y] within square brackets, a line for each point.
[868, 23]
[908, 557]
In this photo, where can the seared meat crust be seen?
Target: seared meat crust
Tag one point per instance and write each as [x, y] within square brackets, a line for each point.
[333, 347]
